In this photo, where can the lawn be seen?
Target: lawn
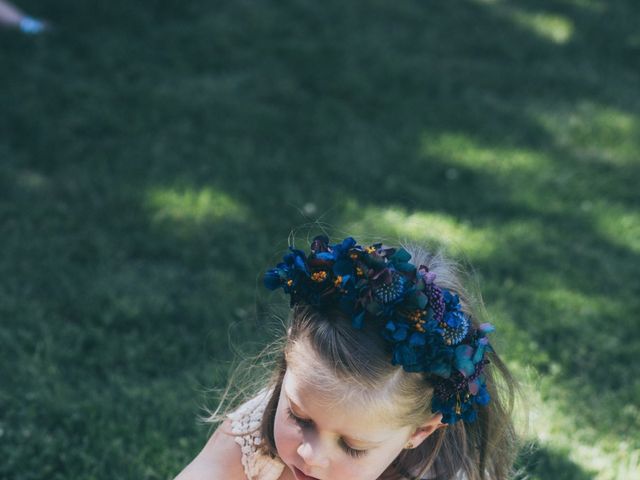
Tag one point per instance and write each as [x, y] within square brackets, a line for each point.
[155, 156]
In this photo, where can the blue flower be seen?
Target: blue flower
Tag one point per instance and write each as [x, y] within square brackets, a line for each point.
[320, 244]
[397, 331]
[454, 319]
[342, 249]
[417, 339]
[451, 300]
[447, 408]
[272, 279]
[357, 321]
[469, 414]
[442, 369]
[297, 259]
[406, 356]
[483, 397]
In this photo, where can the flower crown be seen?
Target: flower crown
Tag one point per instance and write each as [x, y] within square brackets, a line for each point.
[424, 324]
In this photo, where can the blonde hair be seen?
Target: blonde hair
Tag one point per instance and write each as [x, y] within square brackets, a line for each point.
[359, 361]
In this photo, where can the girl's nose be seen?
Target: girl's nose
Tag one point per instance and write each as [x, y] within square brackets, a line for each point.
[312, 454]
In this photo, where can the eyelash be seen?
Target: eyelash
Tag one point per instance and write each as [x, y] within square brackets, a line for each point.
[308, 423]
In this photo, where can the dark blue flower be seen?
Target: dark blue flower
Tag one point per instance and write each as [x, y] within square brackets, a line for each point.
[442, 369]
[451, 300]
[399, 331]
[453, 319]
[406, 356]
[417, 339]
[483, 397]
[294, 260]
[344, 267]
[320, 244]
[447, 408]
[357, 320]
[469, 414]
[272, 279]
[343, 248]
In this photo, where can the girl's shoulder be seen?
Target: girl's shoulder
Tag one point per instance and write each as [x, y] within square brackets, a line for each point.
[233, 451]
[220, 458]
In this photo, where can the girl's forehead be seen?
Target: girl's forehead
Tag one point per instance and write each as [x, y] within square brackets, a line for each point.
[351, 416]
[306, 371]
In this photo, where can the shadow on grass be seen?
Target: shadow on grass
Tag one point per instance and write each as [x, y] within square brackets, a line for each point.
[541, 463]
[278, 105]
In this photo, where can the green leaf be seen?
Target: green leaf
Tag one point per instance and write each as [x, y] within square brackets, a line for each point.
[400, 256]
[405, 267]
[422, 300]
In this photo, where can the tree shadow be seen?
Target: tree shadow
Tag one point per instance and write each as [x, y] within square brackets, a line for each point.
[283, 104]
[539, 462]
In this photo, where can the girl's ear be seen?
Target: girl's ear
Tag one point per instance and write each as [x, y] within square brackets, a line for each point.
[421, 433]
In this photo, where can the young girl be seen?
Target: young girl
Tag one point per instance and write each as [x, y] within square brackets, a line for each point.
[385, 372]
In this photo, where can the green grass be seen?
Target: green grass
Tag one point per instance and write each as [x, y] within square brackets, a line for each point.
[154, 158]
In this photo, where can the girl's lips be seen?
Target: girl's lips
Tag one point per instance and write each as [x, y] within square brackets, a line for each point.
[301, 476]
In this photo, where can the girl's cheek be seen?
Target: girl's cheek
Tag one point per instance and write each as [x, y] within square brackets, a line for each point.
[287, 437]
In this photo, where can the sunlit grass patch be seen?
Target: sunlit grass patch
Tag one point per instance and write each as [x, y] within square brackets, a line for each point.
[465, 151]
[31, 180]
[462, 238]
[619, 225]
[603, 455]
[556, 28]
[396, 223]
[563, 299]
[593, 131]
[193, 206]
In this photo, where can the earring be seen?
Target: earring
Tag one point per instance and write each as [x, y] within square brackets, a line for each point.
[409, 445]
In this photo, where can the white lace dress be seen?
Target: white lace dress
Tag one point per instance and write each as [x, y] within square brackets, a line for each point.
[245, 423]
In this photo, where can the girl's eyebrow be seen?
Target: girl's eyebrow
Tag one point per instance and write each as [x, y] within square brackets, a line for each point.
[351, 440]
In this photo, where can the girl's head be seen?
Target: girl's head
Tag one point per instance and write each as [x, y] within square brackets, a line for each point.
[341, 409]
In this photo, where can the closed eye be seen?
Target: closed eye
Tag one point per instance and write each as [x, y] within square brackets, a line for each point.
[309, 423]
[352, 451]
[300, 421]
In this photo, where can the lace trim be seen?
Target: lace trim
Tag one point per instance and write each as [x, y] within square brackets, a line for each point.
[245, 425]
